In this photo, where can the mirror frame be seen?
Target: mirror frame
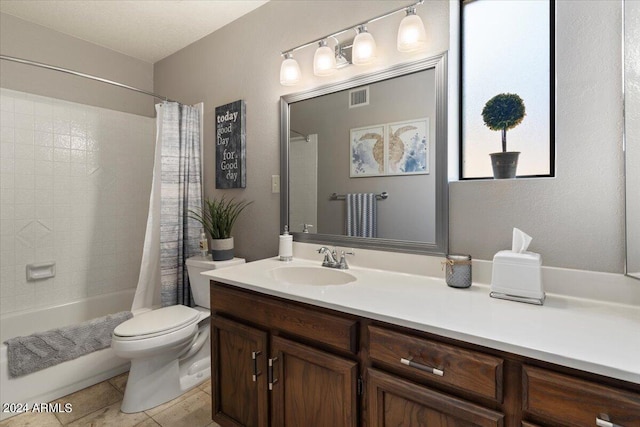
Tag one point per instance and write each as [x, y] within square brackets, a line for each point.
[627, 27]
[441, 245]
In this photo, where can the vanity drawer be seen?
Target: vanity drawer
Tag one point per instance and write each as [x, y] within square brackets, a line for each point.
[568, 401]
[293, 318]
[469, 370]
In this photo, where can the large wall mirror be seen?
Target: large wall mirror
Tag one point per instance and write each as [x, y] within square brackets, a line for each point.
[632, 133]
[373, 139]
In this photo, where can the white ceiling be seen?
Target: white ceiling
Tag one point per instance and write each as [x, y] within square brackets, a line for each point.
[145, 29]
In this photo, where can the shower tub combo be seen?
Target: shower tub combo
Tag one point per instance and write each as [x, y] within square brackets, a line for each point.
[98, 138]
[59, 380]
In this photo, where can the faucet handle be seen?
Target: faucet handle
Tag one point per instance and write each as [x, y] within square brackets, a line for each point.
[342, 264]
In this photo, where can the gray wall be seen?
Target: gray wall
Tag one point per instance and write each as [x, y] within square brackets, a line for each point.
[576, 218]
[405, 98]
[242, 61]
[26, 40]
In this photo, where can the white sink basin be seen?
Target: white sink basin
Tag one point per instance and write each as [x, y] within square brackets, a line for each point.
[314, 276]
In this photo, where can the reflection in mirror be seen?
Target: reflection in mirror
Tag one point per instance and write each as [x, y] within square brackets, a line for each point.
[372, 143]
[363, 151]
[632, 133]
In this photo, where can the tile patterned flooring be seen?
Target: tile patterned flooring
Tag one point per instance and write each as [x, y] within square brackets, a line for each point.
[99, 405]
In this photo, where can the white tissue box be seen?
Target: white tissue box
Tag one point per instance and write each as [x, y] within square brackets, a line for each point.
[518, 277]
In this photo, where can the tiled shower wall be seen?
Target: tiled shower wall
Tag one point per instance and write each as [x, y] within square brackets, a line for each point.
[74, 189]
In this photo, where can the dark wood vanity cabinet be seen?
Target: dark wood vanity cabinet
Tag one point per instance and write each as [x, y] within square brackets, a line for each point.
[472, 371]
[273, 363]
[557, 399]
[281, 363]
[312, 387]
[394, 401]
[239, 385]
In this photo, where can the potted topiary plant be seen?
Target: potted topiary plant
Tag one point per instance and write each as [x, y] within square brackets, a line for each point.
[503, 112]
[218, 219]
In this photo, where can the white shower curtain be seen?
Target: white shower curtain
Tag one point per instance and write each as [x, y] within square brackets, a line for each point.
[171, 236]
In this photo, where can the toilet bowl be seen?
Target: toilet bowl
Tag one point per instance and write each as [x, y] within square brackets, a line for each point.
[169, 347]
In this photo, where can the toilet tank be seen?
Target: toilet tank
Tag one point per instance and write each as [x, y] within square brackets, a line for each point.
[199, 283]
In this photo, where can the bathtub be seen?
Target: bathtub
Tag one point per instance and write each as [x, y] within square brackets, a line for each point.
[59, 380]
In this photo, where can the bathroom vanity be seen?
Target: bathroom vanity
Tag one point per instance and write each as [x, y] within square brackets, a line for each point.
[400, 349]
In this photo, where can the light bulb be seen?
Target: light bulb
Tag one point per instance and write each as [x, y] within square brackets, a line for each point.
[364, 47]
[411, 34]
[289, 71]
[324, 61]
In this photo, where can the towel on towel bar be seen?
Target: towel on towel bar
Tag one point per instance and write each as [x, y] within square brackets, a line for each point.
[362, 215]
[43, 349]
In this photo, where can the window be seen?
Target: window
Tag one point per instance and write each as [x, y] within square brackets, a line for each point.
[507, 48]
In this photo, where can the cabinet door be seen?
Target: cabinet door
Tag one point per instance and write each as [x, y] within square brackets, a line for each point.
[563, 400]
[238, 374]
[311, 387]
[397, 402]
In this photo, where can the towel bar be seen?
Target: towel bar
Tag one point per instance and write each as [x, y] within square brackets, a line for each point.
[336, 196]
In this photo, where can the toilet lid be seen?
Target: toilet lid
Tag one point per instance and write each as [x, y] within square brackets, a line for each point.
[160, 320]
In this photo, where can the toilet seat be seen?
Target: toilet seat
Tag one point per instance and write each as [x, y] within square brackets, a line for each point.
[158, 322]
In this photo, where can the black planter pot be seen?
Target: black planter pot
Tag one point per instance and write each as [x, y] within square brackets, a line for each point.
[504, 164]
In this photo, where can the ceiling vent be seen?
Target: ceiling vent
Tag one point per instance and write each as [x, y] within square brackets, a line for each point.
[359, 97]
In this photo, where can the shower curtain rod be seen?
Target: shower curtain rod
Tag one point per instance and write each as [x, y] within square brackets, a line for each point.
[86, 76]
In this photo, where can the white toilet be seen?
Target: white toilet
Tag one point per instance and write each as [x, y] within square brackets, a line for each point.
[169, 347]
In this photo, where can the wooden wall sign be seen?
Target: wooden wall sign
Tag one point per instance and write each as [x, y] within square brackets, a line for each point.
[230, 145]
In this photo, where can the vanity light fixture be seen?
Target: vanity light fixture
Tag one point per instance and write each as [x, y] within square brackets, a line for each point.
[411, 37]
[289, 71]
[363, 51]
[411, 34]
[343, 58]
[324, 60]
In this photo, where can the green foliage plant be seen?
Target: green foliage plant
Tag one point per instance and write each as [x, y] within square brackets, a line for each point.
[503, 112]
[219, 216]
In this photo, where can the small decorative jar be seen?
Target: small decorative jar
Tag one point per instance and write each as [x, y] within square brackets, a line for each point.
[458, 270]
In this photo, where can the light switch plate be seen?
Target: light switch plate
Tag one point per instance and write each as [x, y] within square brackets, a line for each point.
[275, 183]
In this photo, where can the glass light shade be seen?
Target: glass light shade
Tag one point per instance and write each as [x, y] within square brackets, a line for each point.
[289, 71]
[411, 34]
[364, 48]
[324, 61]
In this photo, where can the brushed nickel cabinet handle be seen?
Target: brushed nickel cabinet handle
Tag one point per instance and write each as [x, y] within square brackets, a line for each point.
[254, 357]
[603, 421]
[271, 381]
[422, 367]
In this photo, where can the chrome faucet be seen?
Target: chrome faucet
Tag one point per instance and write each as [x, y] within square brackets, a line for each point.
[330, 258]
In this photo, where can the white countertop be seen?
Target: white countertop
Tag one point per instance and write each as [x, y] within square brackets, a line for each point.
[598, 337]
